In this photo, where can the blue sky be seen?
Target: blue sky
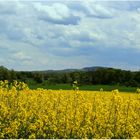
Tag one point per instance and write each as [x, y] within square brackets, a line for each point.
[41, 35]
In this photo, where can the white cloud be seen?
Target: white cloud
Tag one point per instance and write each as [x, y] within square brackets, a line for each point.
[55, 11]
[21, 56]
[47, 35]
[97, 10]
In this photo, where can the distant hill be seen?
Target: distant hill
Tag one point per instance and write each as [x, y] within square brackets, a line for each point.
[92, 68]
[86, 69]
[73, 70]
[87, 75]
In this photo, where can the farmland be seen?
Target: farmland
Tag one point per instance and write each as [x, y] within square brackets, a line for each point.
[41, 113]
[69, 69]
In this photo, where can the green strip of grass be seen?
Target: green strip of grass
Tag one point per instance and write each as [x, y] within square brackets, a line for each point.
[108, 88]
[83, 87]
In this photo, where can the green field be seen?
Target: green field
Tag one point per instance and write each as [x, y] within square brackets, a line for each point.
[83, 87]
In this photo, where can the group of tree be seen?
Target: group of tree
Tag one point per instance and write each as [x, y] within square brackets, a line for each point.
[106, 76]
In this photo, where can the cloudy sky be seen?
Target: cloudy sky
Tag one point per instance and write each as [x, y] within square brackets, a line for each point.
[43, 34]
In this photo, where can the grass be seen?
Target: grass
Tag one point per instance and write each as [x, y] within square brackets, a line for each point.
[83, 87]
[51, 86]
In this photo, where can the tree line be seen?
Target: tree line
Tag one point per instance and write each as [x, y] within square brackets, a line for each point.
[105, 76]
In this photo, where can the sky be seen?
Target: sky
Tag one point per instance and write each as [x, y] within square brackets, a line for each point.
[61, 34]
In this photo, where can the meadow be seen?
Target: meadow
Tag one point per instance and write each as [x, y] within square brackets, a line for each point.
[82, 87]
[47, 114]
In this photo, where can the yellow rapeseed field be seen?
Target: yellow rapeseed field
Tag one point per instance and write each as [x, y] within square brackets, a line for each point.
[26, 113]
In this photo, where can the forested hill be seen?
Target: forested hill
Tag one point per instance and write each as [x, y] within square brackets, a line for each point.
[88, 75]
[72, 70]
